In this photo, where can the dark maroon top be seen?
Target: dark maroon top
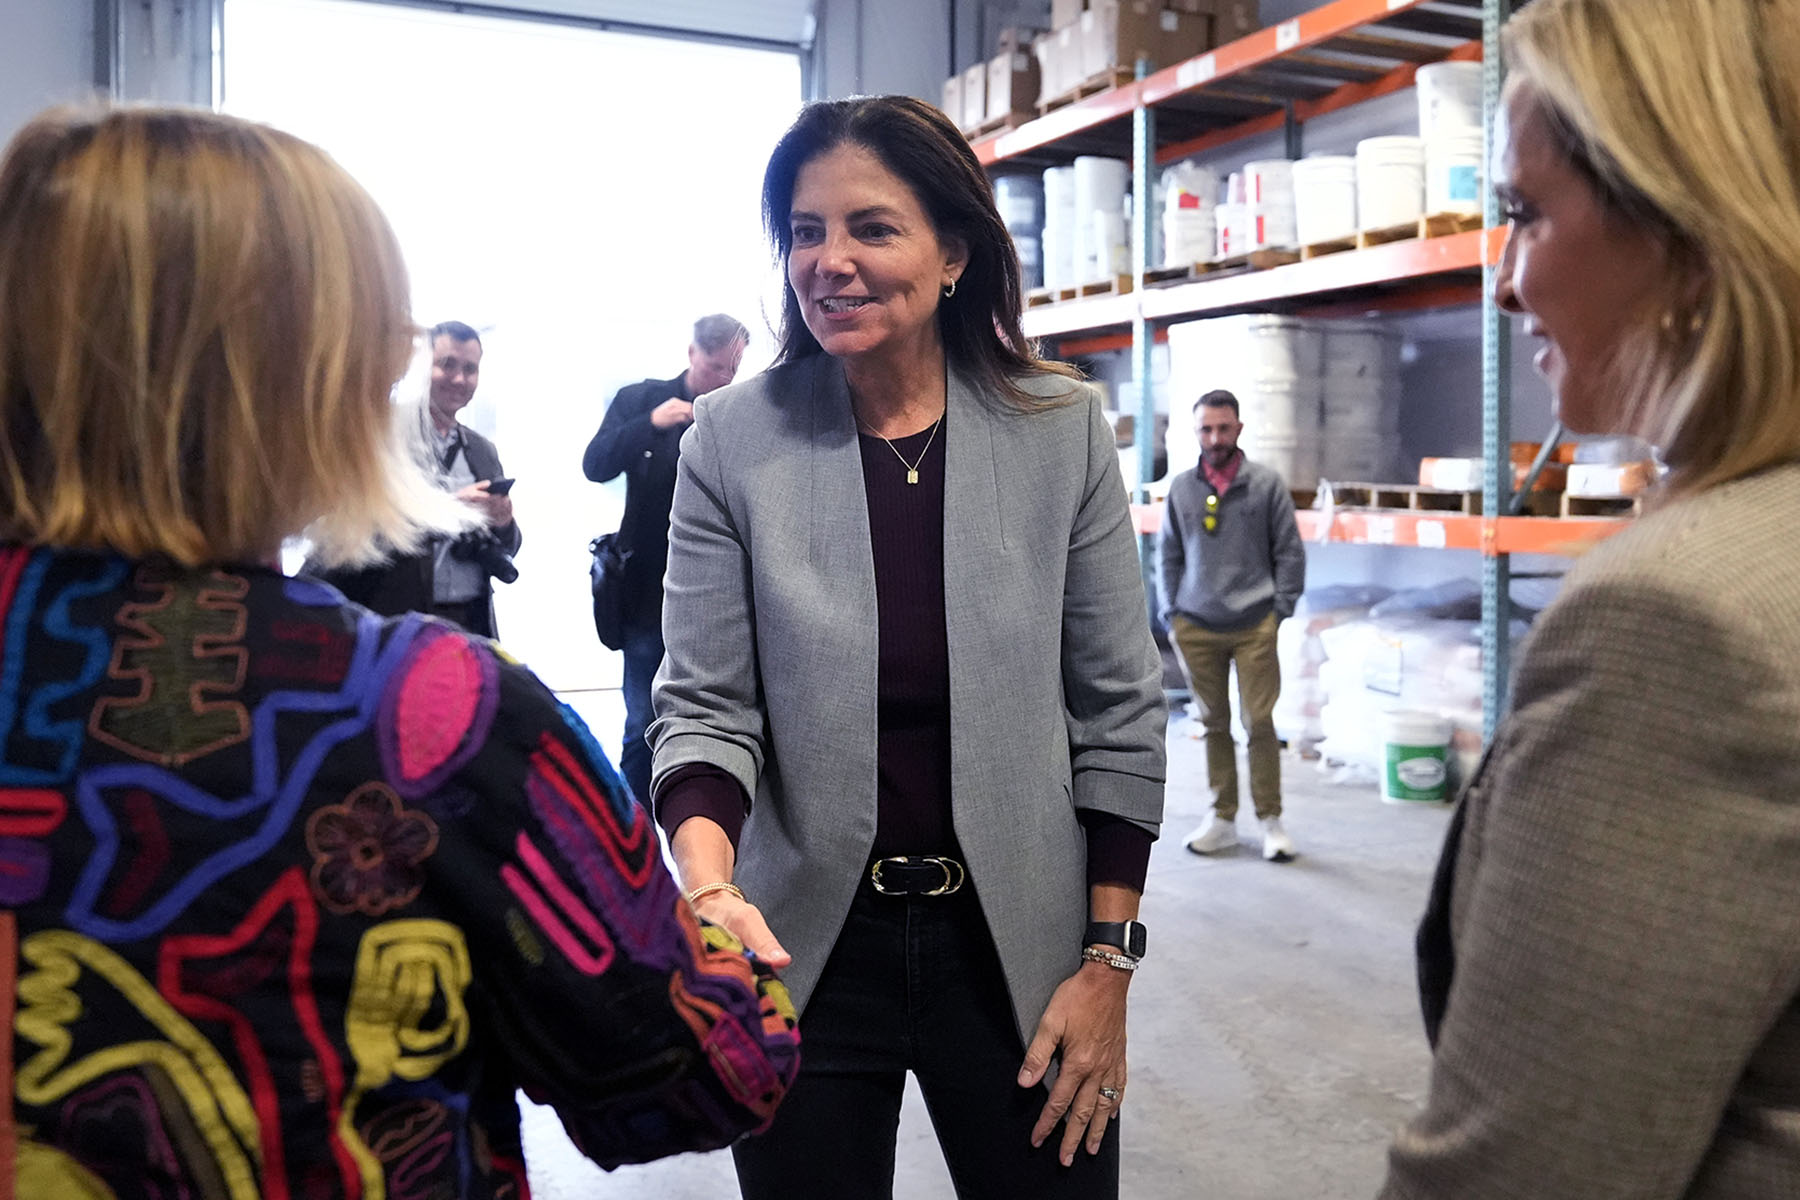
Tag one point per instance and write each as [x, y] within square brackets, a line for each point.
[912, 757]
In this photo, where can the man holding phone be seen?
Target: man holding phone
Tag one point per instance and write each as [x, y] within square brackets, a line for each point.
[450, 578]
[640, 438]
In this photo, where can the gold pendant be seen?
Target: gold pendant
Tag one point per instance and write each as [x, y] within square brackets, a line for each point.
[912, 476]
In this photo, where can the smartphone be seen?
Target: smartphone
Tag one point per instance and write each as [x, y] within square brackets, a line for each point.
[499, 487]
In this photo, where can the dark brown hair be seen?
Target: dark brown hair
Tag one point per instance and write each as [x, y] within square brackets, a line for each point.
[980, 323]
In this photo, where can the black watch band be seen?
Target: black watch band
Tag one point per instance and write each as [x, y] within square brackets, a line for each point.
[1128, 936]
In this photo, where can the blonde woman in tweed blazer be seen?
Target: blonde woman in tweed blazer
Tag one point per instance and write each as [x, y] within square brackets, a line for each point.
[1610, 963]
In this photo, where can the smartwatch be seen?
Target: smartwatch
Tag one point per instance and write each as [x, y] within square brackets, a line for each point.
[1129, 936]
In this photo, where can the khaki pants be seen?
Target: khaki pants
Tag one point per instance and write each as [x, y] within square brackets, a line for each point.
[1207, 657]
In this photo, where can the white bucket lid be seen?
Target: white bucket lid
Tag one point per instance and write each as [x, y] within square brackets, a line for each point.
[1325, 164]
[1398, 145]
[1458, 74]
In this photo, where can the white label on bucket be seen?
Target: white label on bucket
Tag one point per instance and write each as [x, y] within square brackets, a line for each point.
[1464, 182]
[1393, 4]
[1287, 35]
[1196, 71]
[1421, 774]
[1432, 535]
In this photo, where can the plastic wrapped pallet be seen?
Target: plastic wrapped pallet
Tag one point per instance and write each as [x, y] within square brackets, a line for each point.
[1302, 652]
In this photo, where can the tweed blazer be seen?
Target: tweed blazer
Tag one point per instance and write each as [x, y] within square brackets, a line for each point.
[770, 624]
[1614, 943]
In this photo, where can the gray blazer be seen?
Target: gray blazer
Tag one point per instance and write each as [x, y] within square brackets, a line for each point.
[1621, 911]
[770, 623]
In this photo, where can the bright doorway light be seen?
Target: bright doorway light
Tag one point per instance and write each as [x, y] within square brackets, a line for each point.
[579, 196]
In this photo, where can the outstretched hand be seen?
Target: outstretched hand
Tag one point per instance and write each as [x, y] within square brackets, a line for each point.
[744, 921]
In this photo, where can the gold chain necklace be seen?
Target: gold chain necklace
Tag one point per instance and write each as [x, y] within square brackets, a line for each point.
[912, 468]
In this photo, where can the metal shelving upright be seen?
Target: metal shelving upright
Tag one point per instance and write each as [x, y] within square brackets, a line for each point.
[1258, 85]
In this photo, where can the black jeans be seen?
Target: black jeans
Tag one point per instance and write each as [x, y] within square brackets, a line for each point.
[914, 984]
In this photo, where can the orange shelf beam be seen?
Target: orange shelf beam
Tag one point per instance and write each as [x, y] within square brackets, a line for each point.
[1351, 94]
[1567, 536]
[1396, 262]
[1266, 45]
[1247, 53]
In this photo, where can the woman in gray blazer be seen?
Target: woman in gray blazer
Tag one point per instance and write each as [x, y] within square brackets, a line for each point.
[909, 736]
[1610, 963]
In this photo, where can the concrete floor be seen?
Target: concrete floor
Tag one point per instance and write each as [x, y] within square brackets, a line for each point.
[1275, 1037]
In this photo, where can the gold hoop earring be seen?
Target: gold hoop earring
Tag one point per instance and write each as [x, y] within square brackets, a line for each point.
[950, 289]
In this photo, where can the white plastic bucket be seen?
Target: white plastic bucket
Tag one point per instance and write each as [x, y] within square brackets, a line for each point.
[1232, 225]
[1031, 259]
[1190, 235]
[1058, 248]
[1418, 745]
[1280, 409]
[1449, 98]
[1453, 173]
[1059, 196]
[1268, 181]
[1324, 198]
[1390, 181]
[1291, 454]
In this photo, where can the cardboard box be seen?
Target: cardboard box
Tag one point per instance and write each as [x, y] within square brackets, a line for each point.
[974, 97]
[1059, 63]
[1233, 19]
[1013, 83]
[1611, 479]
[1065, 12]
[1114, 33]
[952, 101]
[1469, 474]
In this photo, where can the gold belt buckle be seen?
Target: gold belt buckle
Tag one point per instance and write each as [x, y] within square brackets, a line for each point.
[954, 874]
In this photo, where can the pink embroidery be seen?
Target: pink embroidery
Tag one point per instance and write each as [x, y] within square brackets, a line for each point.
[588, 962]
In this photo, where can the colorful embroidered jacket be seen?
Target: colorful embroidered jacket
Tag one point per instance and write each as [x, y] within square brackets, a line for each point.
[296, 897]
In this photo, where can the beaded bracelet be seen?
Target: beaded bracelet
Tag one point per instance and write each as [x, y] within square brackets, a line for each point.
[1116, 961]
[707, 889]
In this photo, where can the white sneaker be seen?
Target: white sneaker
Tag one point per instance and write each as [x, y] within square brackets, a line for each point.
[1217, 834]
[1277, 845]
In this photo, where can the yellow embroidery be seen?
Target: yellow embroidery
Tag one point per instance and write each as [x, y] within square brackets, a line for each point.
[48, 1004]
[404, 971]
[46, 1171]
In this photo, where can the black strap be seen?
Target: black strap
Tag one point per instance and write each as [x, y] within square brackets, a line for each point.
[456, 448]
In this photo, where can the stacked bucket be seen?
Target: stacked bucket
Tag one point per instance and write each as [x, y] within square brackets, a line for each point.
[1450, 125]
[1318, 398]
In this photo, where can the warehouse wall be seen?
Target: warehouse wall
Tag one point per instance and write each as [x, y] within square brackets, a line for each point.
[46, 56]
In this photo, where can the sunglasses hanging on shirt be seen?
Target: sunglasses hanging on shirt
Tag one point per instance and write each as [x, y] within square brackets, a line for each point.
[1210, 522]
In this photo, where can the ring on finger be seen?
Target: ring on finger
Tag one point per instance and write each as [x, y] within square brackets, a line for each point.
[1110, 1094]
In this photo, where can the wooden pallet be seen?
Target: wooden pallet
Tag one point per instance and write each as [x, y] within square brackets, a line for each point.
[1433, 225]
[994, 125]
[1321, 249]
[1091, 86]
[1038, 297]
[1113, 285]
[1256, 260]
[1601, 506]
[1414, 498]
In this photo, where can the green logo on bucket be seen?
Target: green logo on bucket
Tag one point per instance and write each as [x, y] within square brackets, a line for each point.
[1421, 774]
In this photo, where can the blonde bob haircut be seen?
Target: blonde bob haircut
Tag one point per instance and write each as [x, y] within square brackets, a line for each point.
[201, 322]
[1685, 115]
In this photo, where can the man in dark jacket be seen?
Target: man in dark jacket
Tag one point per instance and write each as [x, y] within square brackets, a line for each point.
[450, 579]
[640, 438]
[1231, 567]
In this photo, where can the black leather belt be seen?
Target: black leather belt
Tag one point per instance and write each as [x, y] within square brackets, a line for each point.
[917, 875]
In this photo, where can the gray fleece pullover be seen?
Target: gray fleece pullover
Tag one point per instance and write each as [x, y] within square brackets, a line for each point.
[1254, 563]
